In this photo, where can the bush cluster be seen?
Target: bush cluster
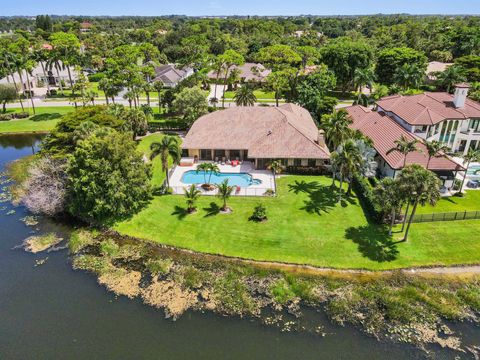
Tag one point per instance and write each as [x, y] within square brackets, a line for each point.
[364, 191]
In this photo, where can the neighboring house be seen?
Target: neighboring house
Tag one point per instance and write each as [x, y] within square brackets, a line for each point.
[248, 72]
[85, 27]
[258, 134]
[170, 75]
[435, 67]
[383, 130]
[38, 79]
[454, 120]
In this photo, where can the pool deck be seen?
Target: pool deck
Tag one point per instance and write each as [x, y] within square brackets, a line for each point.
[266, 176]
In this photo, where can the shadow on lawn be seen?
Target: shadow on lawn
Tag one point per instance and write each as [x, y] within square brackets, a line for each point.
[321, 198]
[212, 210]
[45, 117]
[180, 212]
[373, 242]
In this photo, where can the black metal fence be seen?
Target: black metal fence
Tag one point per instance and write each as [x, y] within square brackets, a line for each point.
[450, 216]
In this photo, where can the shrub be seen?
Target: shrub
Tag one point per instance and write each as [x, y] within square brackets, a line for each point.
[364, 191]
[20, 115]
[5, 117]
[109, 248]
[96, 77]
[159, 266]
[281, 291]
[259, 213]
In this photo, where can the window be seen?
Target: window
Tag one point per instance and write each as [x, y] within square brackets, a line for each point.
[297, 162]
[312, 162]
[206, 154]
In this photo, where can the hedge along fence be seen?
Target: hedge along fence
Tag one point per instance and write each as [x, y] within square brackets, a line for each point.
[167, 125]
[364, 191]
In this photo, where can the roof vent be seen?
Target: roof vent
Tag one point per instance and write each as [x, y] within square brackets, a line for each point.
[269, 132]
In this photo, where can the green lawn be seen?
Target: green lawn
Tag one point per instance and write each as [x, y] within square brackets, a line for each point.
[470, 202]
[43, 121]
[260, 94]
[144, 147]
[305, 226]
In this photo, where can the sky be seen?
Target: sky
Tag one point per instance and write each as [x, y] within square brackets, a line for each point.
[236, 7]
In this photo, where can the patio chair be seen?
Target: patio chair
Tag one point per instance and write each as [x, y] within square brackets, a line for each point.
[223, 161]
[216, 160]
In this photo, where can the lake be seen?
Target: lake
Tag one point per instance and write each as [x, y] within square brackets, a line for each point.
[51, 311]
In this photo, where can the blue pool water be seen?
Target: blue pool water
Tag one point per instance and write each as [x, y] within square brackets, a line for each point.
[474, 170]
[237, 179]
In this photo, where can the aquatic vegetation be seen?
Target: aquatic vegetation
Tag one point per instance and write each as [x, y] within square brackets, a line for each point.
[40, 243]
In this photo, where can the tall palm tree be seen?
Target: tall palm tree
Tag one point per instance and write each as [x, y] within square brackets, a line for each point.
[363, 77]
[224, 192]
[388, 197]
[9, 65]
[452, 75]
[336, 127]
[423, 187]
[167, 148]
[409, 76]
[276, 167]
[244, 96]
[191, 195]
[434, 148]
[471, 156]
[404, 147]
[351, 160]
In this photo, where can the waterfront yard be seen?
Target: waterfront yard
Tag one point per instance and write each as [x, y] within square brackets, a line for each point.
[305, 225]
[44, 120]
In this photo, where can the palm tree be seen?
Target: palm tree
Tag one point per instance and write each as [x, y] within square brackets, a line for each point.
[208, 168]
[403, 146]
[351, 161]
[409, 76]
[387, 197]
[213, 169]
[203, 167]
[191, 195]
[244, 96]
[276, 167]
[224, 192]
[434, 148]
[471, 156]
[336, 127]
[363, 77]
[168, 147]
[423, 187]
[452, 75]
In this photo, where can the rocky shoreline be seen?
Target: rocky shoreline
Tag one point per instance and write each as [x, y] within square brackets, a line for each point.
[395, 307]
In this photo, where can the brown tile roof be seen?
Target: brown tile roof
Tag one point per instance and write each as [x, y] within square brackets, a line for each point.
[383, 130]
[286, 132]
[428, 108]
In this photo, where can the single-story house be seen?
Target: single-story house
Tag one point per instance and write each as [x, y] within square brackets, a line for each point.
[260, 135]
[383, 130]
[248, 72]
[170, 75]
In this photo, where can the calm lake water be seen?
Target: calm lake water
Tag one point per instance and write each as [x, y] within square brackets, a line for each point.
[53, 312]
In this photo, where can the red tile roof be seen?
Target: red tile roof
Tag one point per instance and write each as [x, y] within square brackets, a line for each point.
[428, 108]
[383, 130]
[283, 132]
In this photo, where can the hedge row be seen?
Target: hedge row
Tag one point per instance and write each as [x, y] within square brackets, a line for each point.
[364, 191]
[167, 125]
[306, 170]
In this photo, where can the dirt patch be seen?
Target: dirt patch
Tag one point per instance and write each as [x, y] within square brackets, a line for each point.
[170, 296]
[121, 281]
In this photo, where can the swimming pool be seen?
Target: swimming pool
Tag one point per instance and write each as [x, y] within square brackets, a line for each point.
[474, 170]
[234, 179]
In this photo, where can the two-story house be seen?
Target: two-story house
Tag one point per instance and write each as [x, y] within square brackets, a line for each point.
[451, 119]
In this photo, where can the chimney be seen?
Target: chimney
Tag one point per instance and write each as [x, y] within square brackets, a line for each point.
[461, 92]
[321, 138]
